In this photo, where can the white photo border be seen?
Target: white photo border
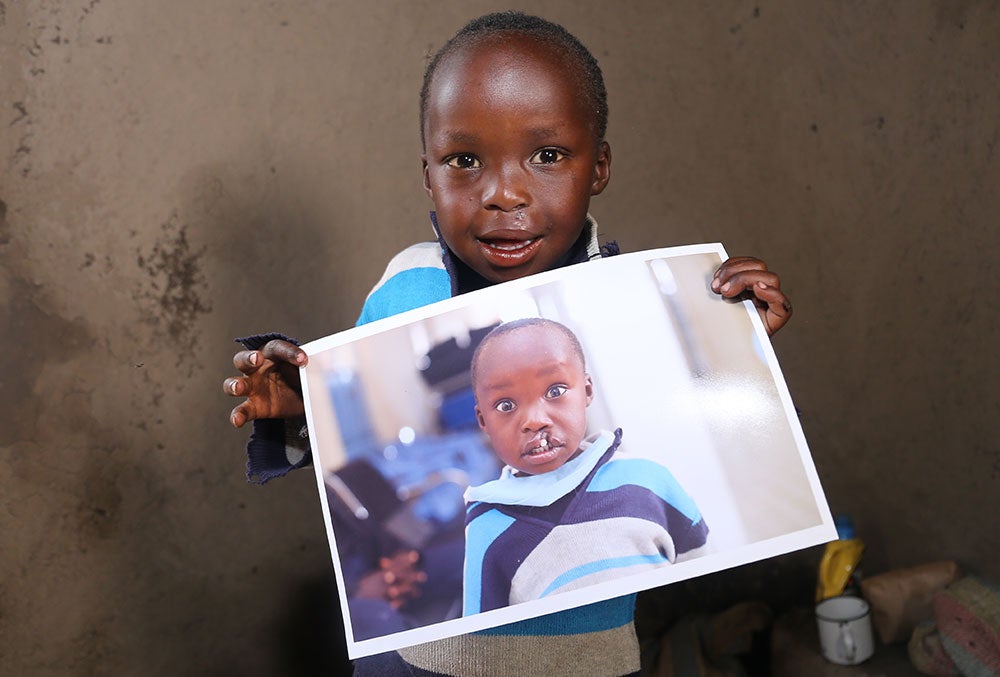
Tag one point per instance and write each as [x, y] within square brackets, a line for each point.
[822, 532]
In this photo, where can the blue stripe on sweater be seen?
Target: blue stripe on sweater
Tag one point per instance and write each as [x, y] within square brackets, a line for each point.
[602, 565]
[406, 290]
[493, 523]
[649, 475]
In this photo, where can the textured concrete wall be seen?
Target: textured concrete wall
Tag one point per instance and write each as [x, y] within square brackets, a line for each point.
[173, 174]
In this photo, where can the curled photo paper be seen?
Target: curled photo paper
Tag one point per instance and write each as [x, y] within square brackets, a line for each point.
[632, 429]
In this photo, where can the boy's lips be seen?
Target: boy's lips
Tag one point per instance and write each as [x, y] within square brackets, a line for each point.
[506, 250]
[541, 449]
[509, 245]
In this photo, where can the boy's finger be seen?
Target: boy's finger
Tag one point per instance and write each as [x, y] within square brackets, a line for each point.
[234, 386]
[778, 310]
[283, 351]
[740, 263]
[746, 280]
[241, 414]
[733, 267]
[776, 300]
[247, 361]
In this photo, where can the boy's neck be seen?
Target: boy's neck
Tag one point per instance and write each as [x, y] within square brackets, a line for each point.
[465, 279]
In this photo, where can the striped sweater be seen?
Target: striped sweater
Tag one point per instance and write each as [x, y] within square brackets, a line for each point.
[599, 517]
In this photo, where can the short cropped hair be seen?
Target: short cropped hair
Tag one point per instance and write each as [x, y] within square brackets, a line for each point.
[512, 326]
[551, 34]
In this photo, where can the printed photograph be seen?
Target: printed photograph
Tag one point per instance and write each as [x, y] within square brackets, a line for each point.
[555, 441]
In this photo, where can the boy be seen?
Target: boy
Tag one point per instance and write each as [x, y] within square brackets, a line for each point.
[567, 512]
[513, 116]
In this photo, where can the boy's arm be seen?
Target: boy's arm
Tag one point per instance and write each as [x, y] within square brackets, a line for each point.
[746, 278]
[270, 382]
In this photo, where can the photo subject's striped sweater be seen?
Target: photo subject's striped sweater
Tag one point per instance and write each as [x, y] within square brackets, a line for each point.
[599, 517]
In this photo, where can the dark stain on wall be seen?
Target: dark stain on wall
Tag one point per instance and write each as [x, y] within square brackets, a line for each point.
[91, 6]
[4, 226]
[21, 125]
[737, 27]
[170, 297]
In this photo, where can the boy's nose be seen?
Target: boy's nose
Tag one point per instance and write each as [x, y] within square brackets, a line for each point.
[536, 418]
[506, 189]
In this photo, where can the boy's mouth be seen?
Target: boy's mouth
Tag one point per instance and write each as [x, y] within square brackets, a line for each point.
[509, 245]
[508, 251]
[541, 447]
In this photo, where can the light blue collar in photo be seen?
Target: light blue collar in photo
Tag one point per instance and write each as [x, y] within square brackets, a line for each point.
[546, 488]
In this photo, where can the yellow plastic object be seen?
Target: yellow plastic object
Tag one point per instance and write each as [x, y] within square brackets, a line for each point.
[840, 559]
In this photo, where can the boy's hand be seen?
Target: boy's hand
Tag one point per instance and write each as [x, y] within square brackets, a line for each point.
[397, 580]
[744, 277]
[270, 382]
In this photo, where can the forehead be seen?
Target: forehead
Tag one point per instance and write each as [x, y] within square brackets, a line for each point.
[504, 73]
[494, 53]
[529, 347]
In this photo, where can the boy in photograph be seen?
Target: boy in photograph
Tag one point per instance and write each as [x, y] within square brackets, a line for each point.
[567, 511]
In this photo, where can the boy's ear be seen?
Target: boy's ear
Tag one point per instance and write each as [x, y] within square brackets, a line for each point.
[479, 418]
[589, 389]
[602, 169]
[427, 178]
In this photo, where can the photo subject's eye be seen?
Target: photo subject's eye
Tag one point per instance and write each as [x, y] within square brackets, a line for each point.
[547, 156]
[505, 406]
[555, 391]
[464, 161]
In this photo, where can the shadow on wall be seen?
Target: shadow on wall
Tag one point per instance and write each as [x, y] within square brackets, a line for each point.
[310, 637]
[252, 231]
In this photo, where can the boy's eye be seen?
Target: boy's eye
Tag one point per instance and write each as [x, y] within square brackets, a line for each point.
[555, 391]
[504, 406]
[464, 161]
[547, 156]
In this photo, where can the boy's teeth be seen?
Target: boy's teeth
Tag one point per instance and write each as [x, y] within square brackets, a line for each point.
[510, 246]
[543, 445]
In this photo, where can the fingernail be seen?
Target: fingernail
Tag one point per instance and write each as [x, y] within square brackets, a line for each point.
[726, 286]
[232, 419]
[762, 285]
[253, 358]
[300, 358]
[232, 386]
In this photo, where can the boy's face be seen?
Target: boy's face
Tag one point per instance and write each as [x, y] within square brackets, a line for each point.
[511, 157]
[531, 398]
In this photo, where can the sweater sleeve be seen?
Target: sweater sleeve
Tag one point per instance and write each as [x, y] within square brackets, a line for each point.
[276, 446]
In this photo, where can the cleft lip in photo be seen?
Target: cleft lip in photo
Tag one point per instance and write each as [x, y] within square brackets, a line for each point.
[540, 444]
